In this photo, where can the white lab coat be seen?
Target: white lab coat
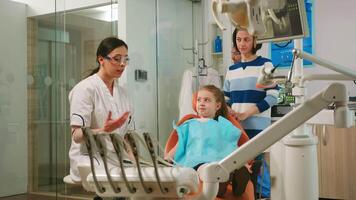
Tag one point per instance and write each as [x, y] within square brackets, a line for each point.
[90, 102]
[188, 87]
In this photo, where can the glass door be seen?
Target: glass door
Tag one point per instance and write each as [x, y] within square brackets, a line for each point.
[62, 50]
[157, 32]
[179, 39]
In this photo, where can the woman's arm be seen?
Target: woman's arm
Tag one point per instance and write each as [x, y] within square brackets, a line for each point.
[109, 126]
[77, 134]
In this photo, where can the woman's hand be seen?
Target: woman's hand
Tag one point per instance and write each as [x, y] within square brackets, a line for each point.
[242, 116]
[232, 112]
[111, 124]
[248, 113]
[77, 134]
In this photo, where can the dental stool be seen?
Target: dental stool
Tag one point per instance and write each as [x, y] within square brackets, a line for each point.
[84, 171]
[68, 180]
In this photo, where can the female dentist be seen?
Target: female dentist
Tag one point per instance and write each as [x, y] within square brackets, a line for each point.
[98, 102]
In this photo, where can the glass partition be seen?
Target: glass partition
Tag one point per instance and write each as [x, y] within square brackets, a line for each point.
[158, 32]
[13, 105]
[174, 56]
[62, 52]
[56, 52]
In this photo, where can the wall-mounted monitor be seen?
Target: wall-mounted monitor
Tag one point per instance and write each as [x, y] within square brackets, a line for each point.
[281, 52]
[269, 20]
[289, 22]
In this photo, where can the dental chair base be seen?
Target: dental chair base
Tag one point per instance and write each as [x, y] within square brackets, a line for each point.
[301, 166]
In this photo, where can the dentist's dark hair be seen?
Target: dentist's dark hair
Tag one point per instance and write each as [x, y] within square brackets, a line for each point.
[106, 46]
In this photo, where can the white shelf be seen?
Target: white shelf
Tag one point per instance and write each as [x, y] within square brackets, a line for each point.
[217, 54]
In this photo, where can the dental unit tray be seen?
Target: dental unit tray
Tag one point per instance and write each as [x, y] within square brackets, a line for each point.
[137, 178]
[176, 181]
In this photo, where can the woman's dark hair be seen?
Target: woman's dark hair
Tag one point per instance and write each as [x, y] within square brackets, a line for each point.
[220, 98]
[106, 46]
[254, 48]
[234, 39]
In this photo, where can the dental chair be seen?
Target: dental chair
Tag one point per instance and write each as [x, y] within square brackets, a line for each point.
[173, 139]
[138, 180]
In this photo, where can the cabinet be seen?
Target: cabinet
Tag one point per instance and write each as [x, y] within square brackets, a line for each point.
[337, 162]
[215, 59]
[219, 61]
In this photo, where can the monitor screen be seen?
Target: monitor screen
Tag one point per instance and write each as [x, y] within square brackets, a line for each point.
[287, 23]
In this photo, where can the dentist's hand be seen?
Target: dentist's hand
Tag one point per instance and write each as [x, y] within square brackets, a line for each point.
[112, 124]
[109, 126]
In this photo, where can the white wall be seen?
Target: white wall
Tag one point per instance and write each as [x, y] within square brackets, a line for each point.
[173, 31]
[334, 38]
[175, 19]
[38, 7]
[13, 99]
[42, 7]
[141, 38]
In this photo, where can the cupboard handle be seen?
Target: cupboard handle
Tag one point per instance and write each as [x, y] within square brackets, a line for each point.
[324, 136]
[313, 129]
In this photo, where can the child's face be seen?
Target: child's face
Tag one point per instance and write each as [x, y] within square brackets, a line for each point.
[206, 104]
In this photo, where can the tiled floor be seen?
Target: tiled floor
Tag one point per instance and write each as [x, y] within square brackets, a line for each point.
[36, 197]
[44, 197]
[15, 197]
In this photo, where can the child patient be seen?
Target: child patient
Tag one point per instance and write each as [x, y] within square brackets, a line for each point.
[210, 137]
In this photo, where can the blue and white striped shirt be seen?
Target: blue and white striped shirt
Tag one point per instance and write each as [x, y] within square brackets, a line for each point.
[241, 92]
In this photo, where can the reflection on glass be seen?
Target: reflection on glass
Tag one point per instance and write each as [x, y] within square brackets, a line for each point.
[62, 51]
[62, 46]
[13, 106]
